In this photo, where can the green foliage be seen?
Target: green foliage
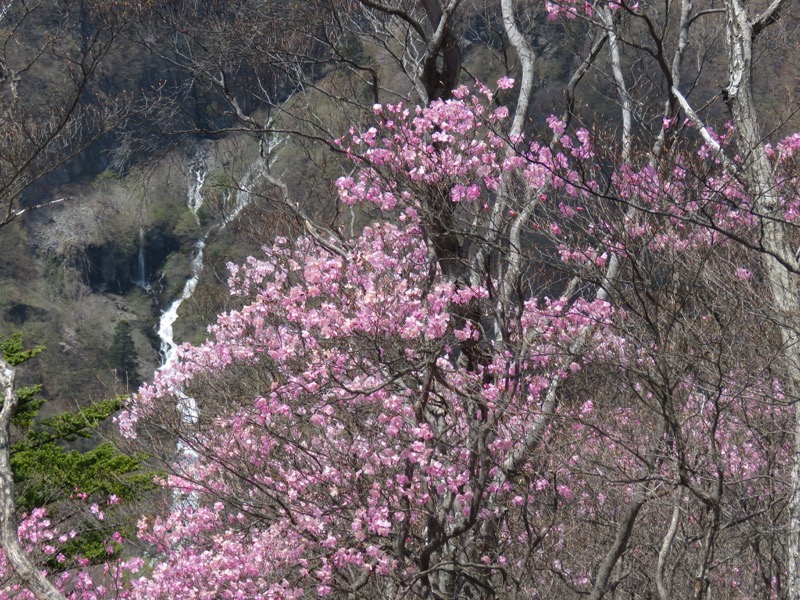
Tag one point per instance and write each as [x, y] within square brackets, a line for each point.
[70, 426]
[14, 352]
[92, 545]
[123, 355]
[105, 178]
[47, 473]
[29, 403]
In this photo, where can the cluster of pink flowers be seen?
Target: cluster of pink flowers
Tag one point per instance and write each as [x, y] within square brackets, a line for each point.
[42, 539]
[342, 437]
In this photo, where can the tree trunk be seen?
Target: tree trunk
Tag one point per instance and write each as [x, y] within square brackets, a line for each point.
[779, 262]
[30, 575]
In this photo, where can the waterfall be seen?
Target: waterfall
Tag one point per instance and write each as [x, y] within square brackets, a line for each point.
[169, 349]
[141, 272]
[194, 201]
[187, 406]
[168, 318]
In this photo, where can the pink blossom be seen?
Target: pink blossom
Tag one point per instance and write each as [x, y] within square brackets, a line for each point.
[505, 83]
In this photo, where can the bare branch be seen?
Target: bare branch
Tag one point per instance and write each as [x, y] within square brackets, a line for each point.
[703, 130]
[768, 17]
[397, 12]
[579, 73]
[619, 79]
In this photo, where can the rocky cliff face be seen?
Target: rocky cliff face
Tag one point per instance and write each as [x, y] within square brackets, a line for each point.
[118, 248]
[70, 270]
[118, 265]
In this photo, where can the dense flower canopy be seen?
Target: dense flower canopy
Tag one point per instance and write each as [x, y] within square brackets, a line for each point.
[387, 415]
[502, 354]
[370, 419]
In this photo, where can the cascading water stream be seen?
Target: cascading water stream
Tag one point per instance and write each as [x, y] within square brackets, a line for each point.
[168, 318]
[141, 271]
[169, 348]
[187, 405]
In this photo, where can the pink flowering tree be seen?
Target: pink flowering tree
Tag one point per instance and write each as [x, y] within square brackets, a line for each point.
[42, 541]
[386, 403]
[556, 365]
[541, 367]
[525, 376]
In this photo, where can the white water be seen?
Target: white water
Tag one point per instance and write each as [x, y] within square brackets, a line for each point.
[197, 176]
[169, 349]
[195, 196]
[255, 172]
[186, 405]
[168, 318]
[141, 272]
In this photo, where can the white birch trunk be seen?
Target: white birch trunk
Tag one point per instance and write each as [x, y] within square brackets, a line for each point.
[527, 59]
[779, 262]
[25, 570]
